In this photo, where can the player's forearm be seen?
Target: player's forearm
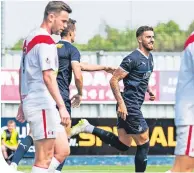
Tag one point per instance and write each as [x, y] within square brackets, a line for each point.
[3, 141]
[114, 84]
[91, 67]
[79, 85]
[11, 147]
[149, 90]
[51, 83]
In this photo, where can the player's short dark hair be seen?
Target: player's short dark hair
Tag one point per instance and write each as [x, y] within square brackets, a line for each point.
[70, 27]
[142, 29]
[56, 7]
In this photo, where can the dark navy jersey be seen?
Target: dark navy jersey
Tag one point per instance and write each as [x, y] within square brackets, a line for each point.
[139, 68]
[67, 53]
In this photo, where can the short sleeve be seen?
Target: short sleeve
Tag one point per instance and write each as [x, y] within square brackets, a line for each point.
[48, 56]
[127, 64]
[75, 54]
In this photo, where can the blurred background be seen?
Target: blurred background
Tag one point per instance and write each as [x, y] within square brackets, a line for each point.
[105, 35]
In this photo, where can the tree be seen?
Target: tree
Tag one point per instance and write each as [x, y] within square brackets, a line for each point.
[18, 45]
[190, 28]
[168, 37]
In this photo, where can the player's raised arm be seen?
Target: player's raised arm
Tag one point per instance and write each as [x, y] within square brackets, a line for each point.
[95, 67]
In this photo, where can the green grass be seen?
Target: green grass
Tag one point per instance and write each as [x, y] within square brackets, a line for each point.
[100, 169]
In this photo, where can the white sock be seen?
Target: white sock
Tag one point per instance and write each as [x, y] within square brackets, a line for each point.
[36, 169]
[56, 171]
[169, 171]
[53, 165]
[89, 128]
[14, 166]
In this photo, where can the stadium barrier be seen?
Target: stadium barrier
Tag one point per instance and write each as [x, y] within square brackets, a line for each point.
[162, 138]
[96, 87]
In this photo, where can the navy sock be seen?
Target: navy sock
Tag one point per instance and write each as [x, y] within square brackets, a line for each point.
[60, 167]
[23, 147]
[141, 157]
[110, 138]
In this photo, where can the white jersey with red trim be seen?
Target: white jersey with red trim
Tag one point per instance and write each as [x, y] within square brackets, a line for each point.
[184, 108]
[39, 54]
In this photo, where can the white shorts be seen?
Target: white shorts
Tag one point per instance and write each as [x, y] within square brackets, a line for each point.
[44, 123]
[185, 140]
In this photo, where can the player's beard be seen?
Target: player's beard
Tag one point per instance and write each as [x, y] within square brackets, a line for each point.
[72, 40]
[57, 32]
[147, 48]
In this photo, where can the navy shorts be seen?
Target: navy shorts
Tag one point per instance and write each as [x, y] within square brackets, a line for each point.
[135, 123]
[68, 106]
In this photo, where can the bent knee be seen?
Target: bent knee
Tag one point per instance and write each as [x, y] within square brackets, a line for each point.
[125, 141]
[141, 138]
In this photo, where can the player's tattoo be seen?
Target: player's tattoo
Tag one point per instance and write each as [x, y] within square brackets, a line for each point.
[79, 85]
[118, 75]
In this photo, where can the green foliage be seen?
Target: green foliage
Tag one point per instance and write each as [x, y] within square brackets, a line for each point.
[18, 45]
[168, 37]
[190, 28]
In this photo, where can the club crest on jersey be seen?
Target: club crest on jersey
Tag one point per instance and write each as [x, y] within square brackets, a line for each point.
[59, 45]
[48, 61]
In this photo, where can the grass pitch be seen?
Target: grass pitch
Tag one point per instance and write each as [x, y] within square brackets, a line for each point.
[102, 169]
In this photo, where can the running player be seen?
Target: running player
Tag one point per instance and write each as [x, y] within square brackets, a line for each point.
[135, 71]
